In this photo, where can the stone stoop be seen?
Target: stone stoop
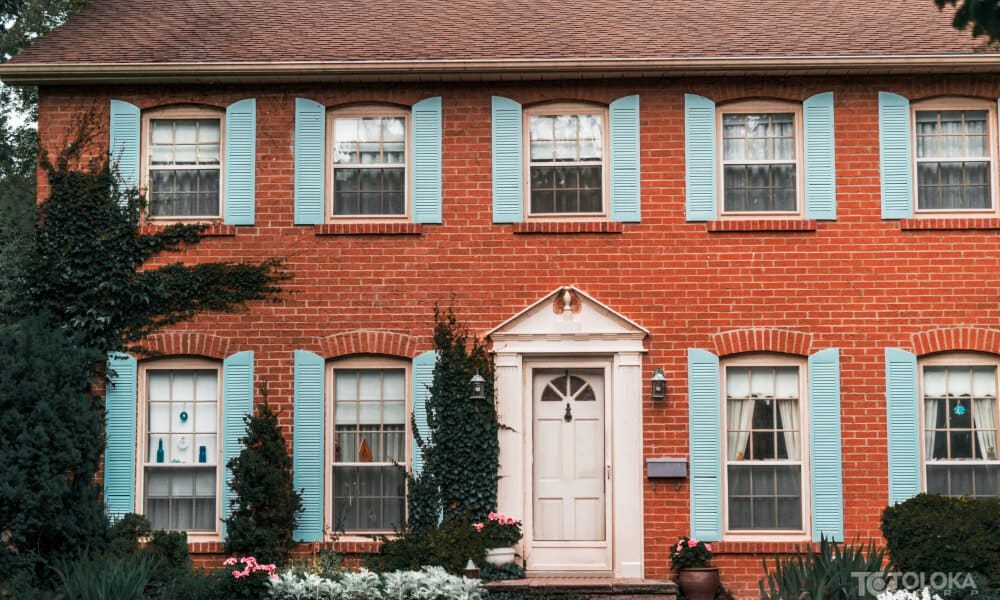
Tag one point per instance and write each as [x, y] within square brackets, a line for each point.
[592, 588]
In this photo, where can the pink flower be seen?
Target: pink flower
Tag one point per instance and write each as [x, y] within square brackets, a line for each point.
[478, 526]
[230, 561]
[692, 543]
[708, 547]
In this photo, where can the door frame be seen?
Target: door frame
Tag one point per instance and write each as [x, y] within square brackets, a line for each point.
[568, 362]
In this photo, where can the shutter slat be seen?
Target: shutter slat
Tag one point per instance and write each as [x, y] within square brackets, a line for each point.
[237, 402]
[423, 377]
[240, 150]
[705, 433]
[508, 185]
[625, 171]
[427, 160]
[821, 186]
[308, 455]
[824, 445]
[120, 421]
[310, 146]
[699, 158]
[904, 422]
[124, 141]
[895, 156]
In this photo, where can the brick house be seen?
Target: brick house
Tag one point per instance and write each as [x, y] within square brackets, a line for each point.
[791, 213]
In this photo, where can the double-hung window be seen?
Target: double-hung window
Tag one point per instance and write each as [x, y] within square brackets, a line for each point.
[954, 156]
[567, 161]
[183, 164]
[369, 163]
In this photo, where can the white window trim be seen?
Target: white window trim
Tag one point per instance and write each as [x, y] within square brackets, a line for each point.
[360, 362]
[761, 106]
[760, 359]
[371, 111]
[146, 132]
[567, 108]
[142, 435]
[943, 104]
[950, 359]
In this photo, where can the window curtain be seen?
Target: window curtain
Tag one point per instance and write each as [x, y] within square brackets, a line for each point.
[984, 417]
[789, 411]
[931, 407]
[740, 416]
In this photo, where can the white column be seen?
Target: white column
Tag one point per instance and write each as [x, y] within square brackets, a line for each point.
[627, 465]
[508, 388]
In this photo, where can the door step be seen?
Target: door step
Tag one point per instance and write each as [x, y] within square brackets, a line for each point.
[592, 588]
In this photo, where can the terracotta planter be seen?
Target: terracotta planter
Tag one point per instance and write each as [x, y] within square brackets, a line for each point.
[699, 584]
[500, 556]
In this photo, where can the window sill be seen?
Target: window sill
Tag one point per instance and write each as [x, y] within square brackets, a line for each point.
[763, 547]
[369, 229]
[946, 223]
[529, 227]
[216, 230]
[774, 225]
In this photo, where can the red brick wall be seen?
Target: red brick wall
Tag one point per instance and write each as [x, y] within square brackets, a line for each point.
[860, 283]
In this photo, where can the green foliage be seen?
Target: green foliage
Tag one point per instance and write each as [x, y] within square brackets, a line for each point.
[266, 505]
[50, 447]
[126, 533]
[983, 15]
[684, 555]
[106, 577]
[929, 533]
[461, 457]
[450, 546]
[825, 575]
[488, 572]
[198, 584]
[327, 564]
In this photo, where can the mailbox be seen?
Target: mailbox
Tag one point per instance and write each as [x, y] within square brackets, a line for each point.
[666, 468]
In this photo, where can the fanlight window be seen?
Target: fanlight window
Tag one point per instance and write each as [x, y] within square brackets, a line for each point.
[568, 387]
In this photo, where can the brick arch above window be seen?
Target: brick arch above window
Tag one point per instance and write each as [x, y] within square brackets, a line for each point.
[762, 339]
[367, 341]
[946, 339]
[187, 343]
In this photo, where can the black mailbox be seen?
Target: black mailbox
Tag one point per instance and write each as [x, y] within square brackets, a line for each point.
[666, 468]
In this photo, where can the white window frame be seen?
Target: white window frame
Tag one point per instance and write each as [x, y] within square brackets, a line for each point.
[767, 359]
[329, 438]
[951, 359]
[146, 133]
[761, 107]
[368, 111]
[567, 109]
[142, 435]
[959, 104]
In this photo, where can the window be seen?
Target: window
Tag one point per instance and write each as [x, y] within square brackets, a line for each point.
[183, 163]
[760, 158]
[566, 160]
[179, 444]
[959, 395]
[954, 164]
[765, 470]
[369, 445]
[369, 160]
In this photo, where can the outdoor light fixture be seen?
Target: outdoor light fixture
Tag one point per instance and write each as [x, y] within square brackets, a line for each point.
[659, 384]
[478, 387]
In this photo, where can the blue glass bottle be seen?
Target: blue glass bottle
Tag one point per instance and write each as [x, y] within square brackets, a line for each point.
[159, 452]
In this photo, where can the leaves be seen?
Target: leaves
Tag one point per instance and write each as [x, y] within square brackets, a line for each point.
[982, 15]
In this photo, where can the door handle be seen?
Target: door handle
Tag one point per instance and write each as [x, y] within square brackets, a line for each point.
[608, 469]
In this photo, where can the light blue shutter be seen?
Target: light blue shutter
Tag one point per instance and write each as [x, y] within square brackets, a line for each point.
[240, 150]
[821, 180]
[307, 446]
[508, 184]
[824, 445]
[423, 377]
[895, 156]
[237, 403]
[903, 418]
[310, 148]
[427, 161]
[699, 158]
[625, 198]
[705, 432]
[119, 454]
[124, 141]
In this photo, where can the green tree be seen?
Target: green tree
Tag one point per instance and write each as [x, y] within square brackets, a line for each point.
[982, 15]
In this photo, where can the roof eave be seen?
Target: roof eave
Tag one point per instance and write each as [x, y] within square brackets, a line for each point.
[103, 73]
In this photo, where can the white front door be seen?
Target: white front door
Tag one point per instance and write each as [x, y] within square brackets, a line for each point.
[570, 518]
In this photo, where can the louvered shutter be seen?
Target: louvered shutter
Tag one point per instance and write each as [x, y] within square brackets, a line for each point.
[699, 158]
[705, 433]
[903, 419]
[124, 141]
[423, 377]
[821, 181]
[824, 446]
[895, 156]
[240, 150]
[307, 445]
[237, 403]
[120, 421]
[508, 184]
[427, 161]
[310, 148]
[625, 172]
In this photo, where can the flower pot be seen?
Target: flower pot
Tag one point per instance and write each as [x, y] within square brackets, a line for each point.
[500, 556]
[699, 584]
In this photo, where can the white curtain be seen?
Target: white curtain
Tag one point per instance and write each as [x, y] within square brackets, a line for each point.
[930, 420]
[740, 415]
[789, 411]
[984, 418]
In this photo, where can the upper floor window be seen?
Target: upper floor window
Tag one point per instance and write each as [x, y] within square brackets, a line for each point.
[567, 160]
[761, 169]
[183, 163]
[765, 469]
[959, 395]
[954, 156]
[369, 162]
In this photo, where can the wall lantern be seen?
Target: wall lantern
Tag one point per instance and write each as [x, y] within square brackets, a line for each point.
[478, 387]
[658, 385]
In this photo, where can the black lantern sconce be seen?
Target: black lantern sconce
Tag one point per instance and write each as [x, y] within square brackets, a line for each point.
[658, 385]
[478, 387]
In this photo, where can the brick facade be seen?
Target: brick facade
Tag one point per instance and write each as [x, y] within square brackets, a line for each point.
[859, 284]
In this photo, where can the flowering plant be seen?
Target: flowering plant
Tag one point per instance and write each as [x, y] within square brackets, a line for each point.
[250, 566]
[499, 531]
[689, 553]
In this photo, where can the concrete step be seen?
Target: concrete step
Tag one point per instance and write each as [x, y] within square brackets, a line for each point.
[593, 588]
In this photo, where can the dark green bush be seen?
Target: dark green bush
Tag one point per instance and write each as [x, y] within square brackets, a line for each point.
[107, 577]
[929, 534]
[825, 575]
[198, 585]
[451, 545]
[488, 572]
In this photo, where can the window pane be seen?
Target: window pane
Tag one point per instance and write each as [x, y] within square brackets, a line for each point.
[181, 499]
[566, 189]
[368, 498]
[964, 480]
[193, 143]
[765, 497]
